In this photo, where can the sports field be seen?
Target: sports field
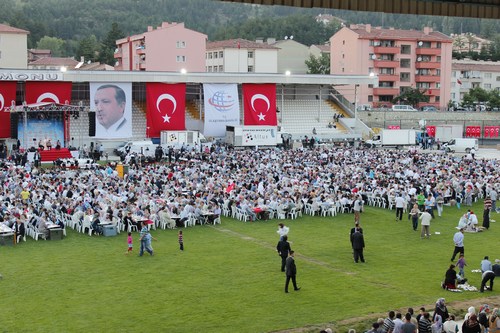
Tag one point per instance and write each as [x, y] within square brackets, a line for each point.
[228, 278]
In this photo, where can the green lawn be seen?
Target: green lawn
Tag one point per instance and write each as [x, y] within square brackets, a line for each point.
[228, 278]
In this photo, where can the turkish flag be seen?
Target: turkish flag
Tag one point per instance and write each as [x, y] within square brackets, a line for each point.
[166, 107]
[7, 96]
[53, 92]
[260, 104]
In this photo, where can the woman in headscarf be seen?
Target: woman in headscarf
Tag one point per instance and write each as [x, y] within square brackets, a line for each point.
[471, 325]
[494, 321]
[441, 310]
[470, 311]
[437, 325]
[450, 279]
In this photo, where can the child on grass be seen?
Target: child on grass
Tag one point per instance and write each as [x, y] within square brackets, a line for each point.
[129, 243]
[181, 241]
[461, 264]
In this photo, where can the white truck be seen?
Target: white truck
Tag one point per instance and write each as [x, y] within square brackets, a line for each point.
[177, 139]
[461, 145]
[252, 136]
[393, 138]
[447, 132]
[145, 147]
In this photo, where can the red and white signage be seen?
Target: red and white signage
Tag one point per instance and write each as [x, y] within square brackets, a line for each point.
[52, 92]
[260, 104]
[7, 98]
[431, 131]
[166, 107]
[393, 127]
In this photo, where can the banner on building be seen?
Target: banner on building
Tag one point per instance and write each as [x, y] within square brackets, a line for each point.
[166, 107]
[393, 127]
[473, 131]
[222, 108]
[56, 92]
[260, 104]
[112, 104]
[491, 131]
[431, 131]
[7, 99]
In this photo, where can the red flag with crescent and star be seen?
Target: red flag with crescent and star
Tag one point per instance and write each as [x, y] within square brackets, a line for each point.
[52, 92]
[166, 107]
[260, 104]
[7, 96]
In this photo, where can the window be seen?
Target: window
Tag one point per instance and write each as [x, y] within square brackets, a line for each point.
[438, 85]
[487, 86]
[250, 54]
[453, 84]
[385, 98]
[371, 42]
[181, 58]
[498, 78]
[370, 86]
[209, 55]
[221, 54]
[343, 42]
[438, 72]
[389, 57]
[386, 84]
[343, 56]
[221, 68]
[371, 56]
[438, 98]
[438, 45]
[452, 95]
[424, 44]
[404, 63]
[370, 70]
[216, 68]
[404, 77]
[181, 44]
[423, 85]
[487, 75]
[343, 72]
[216, 55]
[386, 71]
[438, 58]
[454, 74]
[405, 49]
[370, 98]
[426, 58]
[250, 69]
[209, 68]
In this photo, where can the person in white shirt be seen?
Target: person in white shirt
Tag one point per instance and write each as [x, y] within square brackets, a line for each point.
[282, 230]
[426, 223]
[400, 205]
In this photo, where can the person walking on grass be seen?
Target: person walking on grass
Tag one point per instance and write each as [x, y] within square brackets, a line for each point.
[458, 239]
[426, 218]
[291, 272]
[130, 243]
[181, 241]
[283, 248]
[145, 239]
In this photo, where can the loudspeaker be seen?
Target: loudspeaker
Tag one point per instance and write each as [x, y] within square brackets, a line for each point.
[92, 123]
[14, 120]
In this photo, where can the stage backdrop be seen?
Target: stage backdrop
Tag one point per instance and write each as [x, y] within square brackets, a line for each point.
[222, 107]
[40, 129]
[7, 96]
[166, 107]
[112, 104]
[260, 104]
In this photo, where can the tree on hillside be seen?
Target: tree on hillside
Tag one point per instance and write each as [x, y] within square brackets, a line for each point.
[318, 65]
[108, 45]
[411, 96]
[88, 48]
[54, 44]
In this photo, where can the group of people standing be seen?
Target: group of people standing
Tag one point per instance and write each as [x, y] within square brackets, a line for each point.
[287, 258]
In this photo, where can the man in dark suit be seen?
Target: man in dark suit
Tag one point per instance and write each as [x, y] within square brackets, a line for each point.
[291, 272]
[20, 230]
[358, 244]
[283, 249]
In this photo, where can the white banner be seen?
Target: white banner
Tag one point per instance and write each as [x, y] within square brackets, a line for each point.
[112, 103]
[222, 107]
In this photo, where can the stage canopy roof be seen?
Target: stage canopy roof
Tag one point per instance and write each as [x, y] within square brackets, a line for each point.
[461, 8]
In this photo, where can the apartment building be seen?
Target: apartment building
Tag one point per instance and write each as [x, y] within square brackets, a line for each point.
[402, 59]
[170, 47]
[241, 56]
[13, 47]
[468, 74]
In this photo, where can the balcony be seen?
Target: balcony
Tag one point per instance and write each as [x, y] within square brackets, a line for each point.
[386, 91]
[388, 77]
[140, 50]
[432, 91]
[427, 65]
[386, 63]
[427, 51]
[386, 49]
[427, 78]
[118, 54]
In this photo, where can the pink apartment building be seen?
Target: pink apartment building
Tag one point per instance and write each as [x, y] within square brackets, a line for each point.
[170, 47]
[401, 59]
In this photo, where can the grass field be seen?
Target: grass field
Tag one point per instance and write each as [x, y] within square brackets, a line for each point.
[228, 278]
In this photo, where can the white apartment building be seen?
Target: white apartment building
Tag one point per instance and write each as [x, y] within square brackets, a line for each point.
[13, 47]
[468, 74]
[241, 56]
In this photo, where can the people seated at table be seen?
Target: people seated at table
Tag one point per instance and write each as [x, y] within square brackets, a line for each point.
[96, 224]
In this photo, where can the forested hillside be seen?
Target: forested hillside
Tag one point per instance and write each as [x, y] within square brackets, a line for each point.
[70, 23]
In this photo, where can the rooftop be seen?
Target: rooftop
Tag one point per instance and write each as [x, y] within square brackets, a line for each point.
[8, 29]
[366, 31]
[238, 43]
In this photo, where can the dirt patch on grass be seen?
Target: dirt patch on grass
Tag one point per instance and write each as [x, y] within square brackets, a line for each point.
[362, 324]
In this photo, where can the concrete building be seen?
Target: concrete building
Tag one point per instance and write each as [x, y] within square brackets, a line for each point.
[241, 56]
[292, 56]
[63, 64]
[319, 50]
[468, 74]
[468, 42]
[402, 59]
[35, 54]
[170, 47]
[13, 47]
